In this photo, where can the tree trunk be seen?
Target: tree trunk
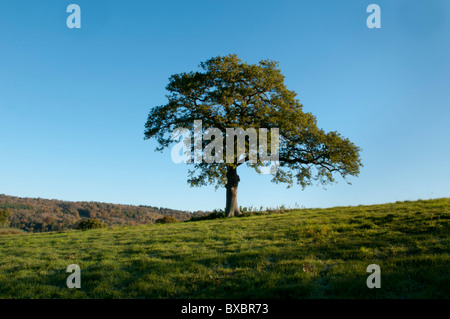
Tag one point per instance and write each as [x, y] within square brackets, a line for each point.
[232, 208]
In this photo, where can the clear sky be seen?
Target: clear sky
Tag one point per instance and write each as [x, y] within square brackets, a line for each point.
[73, 102]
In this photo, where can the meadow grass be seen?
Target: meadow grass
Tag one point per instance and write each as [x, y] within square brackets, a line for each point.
[307, 253]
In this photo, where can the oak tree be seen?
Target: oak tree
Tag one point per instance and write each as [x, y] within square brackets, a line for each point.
[230, 93]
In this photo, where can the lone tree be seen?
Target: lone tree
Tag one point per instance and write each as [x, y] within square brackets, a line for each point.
[229, 93]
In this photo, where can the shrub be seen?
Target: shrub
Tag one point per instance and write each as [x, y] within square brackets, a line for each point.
[4, 216]
[90, 224]
[166, 220]
[217, 213]
[11, 231]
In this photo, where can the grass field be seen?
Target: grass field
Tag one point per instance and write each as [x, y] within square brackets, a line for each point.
[308, 253]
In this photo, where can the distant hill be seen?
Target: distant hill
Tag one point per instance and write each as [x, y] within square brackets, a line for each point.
[40, 215]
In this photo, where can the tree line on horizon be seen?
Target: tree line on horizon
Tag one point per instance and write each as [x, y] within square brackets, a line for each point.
[42, 215]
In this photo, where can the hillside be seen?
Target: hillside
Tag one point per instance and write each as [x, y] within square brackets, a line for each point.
[308, 253]
[40, 215]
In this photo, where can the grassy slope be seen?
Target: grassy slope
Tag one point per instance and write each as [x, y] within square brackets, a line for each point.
[310, 253]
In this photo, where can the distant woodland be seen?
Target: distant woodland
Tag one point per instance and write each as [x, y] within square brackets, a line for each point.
[41, 215]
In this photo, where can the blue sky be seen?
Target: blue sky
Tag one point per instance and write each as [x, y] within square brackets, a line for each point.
[73, 102]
